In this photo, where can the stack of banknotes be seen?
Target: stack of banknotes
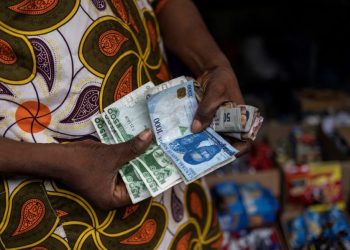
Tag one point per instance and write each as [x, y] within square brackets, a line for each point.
[176, 155]
[241, 122]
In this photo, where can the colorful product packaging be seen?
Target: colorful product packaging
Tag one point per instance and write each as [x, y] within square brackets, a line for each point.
[314, 183]
[245, 205]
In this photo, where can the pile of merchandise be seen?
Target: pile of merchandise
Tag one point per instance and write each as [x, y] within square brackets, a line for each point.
[319, 230]
[242, 207]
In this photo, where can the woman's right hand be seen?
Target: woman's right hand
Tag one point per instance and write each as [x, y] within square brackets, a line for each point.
[93, 169]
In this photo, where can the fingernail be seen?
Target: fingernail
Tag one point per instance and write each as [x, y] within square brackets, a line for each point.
[196, 126]
[145, 135]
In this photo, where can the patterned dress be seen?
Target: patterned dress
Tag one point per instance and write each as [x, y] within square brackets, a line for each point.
[61, 62]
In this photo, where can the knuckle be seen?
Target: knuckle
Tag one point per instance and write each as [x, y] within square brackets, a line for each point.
[206, 113]
[133, 147]
[220, 88]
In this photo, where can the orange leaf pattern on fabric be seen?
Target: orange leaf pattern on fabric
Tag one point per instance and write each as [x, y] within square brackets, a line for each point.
[183, 243]
[110, 42]
[124, 85]
[34, 7]
[39, 248]
[7, 55]
[133, 23]
[218, 243]
[130, 210]
[196, 205]
[144, 234]
[119, 53]
[32, 213]
[60, 213]
[121, 10]
[163, 73]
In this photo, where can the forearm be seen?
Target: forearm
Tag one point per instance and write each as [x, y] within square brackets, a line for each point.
[185, 34]
[21, 158]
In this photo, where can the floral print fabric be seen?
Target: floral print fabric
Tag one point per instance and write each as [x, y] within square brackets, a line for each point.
[61, 62]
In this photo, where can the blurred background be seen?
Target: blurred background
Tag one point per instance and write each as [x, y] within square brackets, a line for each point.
[292, 60]
[283, 46]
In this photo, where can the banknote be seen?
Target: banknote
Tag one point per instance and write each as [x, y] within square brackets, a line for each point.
[234, 123]
[115, 136]
[129, 116]
[147, 179]
[251, 135]
[172, 111]
[193, 154]
[102, 129]
[166, 85]
[134, 184]
[234, 119]
[160, 166]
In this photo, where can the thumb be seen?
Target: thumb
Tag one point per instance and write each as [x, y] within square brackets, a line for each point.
[206, 111]
[136, 146]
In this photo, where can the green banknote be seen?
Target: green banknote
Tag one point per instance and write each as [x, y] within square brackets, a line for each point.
[152, 186]
[102, 130]
[113, 132]
[134, 184]
[160, 167]
[129, 116]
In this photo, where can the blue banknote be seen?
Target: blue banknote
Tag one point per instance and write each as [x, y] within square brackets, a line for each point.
[171, 112]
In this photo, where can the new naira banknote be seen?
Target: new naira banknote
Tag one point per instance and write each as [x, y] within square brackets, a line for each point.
[129, 116]
[194, 154]
[135, 185]
[178, 154]
[102, 129]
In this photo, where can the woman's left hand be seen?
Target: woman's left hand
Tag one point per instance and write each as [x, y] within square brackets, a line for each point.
[220, 85]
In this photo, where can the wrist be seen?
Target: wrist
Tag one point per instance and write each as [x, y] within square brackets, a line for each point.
[41, 160]
[51, 160]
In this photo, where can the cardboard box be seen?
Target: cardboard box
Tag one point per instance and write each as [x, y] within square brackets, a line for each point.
[316, 101]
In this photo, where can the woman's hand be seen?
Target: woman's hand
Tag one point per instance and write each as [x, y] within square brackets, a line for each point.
[220, 85]
[93, 169]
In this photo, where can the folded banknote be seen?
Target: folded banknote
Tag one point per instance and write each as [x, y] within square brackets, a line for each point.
[238, 121]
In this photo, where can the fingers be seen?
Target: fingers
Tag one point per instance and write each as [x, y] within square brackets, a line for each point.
[242, 146]
[120, 194]
[207, 108]
[118, 198]
[133, 148]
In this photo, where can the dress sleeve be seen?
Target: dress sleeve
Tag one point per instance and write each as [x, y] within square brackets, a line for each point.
[158, 5]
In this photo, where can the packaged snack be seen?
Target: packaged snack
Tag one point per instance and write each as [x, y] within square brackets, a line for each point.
[260, 204]
[298, 233]
[320, 230]
[316, 183]
[245, 205]
[257, 239]
[231, 212]
[340, 227]
[315, 224]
